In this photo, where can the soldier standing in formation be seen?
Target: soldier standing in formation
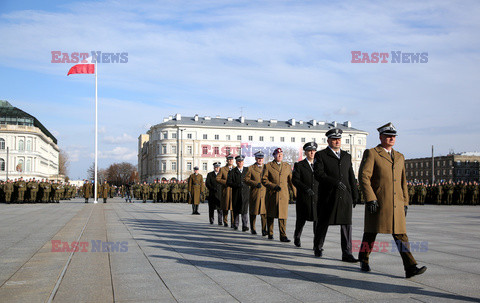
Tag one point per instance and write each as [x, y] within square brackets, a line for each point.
[195, 188]
[338, 188]
[277, 178]
[155, 189]
[214, 194]
[240, 193]
[104, 191]
[307, 191]
[383, 182]
[257, 194]
[145, 190]
[87, 190]
[226, 202]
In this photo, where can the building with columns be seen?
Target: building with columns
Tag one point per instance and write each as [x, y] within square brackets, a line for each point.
[172, 149]
[27, 148]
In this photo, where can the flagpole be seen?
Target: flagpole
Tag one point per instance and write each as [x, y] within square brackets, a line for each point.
[96, 135]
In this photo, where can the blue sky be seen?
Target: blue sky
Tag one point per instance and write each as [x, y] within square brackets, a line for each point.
[276, 59]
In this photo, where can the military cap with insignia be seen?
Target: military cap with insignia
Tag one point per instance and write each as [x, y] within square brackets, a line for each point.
[239, 158]
[217, 164]
[196, 168]
[387, 129]
[310, 146]
[277, 150]
[259, 154]
[229, 156]
[334, 133]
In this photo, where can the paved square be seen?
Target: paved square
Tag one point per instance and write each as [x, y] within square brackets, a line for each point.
[164, 254]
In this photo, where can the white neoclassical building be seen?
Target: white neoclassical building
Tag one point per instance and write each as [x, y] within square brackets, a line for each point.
[27, 148]
[172, 148]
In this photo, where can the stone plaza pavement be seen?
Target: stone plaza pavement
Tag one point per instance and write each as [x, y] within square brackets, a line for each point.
[167, 255]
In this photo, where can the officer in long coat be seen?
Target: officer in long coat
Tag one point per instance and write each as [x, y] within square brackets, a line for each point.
[307, 191]
[338, 192]
[195, 188]
[226, 202]
[257, 194]
[87, 190]
[214, 194]
[104, 191]
[384, 184]
[240, 193]
[277, 178]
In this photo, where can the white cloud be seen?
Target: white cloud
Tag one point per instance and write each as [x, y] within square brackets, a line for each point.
[123, 138]
[117, 154]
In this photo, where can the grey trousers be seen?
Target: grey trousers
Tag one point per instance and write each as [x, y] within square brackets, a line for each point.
[345, 237]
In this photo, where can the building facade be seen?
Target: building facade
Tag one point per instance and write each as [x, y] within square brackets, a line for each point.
[27, 148]
[452, 167]
[172, 148]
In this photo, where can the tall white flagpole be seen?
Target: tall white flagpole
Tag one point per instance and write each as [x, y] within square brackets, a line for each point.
[96, 134]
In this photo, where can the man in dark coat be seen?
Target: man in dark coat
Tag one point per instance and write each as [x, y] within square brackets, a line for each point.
[214, 194]
[307, 191]
[338, 191]
[240, 193]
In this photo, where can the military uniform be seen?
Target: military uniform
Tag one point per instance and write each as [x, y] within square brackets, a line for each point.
[226, 202]
[104, 191]
[165, 189]
[145, 190]
[195, 188]
[257, 196]
[277, 178]
[8, 189]
[87, 190]
[155, 189]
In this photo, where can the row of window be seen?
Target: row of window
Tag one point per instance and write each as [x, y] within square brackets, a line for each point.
[427, 173]
[164, 135]
[21, 165]
[21, 144]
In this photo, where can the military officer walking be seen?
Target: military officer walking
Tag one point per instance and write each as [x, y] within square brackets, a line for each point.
[195, 188]
[277, 178]
[226, 202]
[384, 184]
[104, 191]
[240, 193]
[338, 188]
[214, 194]
[307, 191]
[257, 194]
[87, 190]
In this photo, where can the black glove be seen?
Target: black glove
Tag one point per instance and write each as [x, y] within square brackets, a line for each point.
[372, 206]
[259, 185]
[341, 186]
[406, 208]
[355, 203]
[310, 192]
[277, 188]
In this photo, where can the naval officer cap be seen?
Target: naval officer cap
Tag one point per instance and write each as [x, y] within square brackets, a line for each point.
[229, 156]
[259, 155]
[196, 168]
[217, 164]
[387, 129]
[310, 146]
[239, 158]
[334, 133]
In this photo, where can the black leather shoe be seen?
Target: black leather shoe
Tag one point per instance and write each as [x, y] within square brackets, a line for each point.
[318, 252]
[235, 228]
[414, 271]
[220, 224]
[297, 242]
[254, 232]
[245, 229]
[264, 233]
[225, 224]
[211, 222]
[284, 239]
[364, 266]
[349, 259]
[270, 237]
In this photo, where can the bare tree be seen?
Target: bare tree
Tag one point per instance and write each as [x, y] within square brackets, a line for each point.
[63, 162]
[101, 174]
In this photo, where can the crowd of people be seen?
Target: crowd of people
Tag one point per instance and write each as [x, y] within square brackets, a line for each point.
[36, 191]
[448, 193]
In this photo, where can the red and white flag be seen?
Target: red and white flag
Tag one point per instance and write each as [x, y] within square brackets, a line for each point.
[86, 67]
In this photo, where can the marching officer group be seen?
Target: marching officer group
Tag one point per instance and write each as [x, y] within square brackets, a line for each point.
[159, 191]
[326, 191]
[35, 191]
